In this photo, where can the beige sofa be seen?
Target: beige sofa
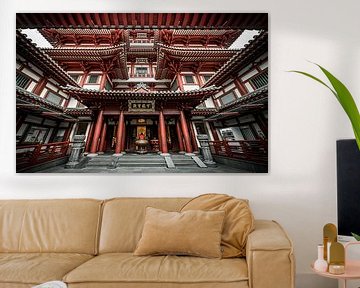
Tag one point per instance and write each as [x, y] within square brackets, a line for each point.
[89, 243]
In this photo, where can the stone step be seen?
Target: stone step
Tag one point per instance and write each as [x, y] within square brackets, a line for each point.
[99, 164]
[140, 157]
[183, 160]
[185, 163]
[140, 164]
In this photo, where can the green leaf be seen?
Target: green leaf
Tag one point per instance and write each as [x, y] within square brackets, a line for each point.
[314, 78]
[344, 97]
[356, 236]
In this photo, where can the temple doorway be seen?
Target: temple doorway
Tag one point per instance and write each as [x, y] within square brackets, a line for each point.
[142, 129]
[110, 138]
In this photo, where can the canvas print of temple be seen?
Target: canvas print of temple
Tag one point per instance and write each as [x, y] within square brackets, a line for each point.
[142, 92]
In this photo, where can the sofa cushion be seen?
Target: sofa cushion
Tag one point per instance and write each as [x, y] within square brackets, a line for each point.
[239, 220]
[63, 226]
[123, 220]
[126, 268]
[193, 232]
[36, 268]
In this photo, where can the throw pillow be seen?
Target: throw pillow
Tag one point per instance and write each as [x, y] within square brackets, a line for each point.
[196, 233]
[238, 223]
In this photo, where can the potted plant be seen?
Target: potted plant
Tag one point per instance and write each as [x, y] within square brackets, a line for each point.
[344, 97]
[346, 100]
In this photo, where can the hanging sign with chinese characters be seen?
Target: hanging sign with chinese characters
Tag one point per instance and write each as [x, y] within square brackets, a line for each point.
[142, 105]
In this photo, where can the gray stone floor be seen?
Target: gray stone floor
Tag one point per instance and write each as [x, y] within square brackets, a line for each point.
[219, 168]
[122, 170]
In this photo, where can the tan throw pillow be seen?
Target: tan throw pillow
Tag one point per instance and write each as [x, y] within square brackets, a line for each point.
[239, 221]
[196, 233]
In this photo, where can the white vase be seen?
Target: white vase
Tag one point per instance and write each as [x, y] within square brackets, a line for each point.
[320, 264]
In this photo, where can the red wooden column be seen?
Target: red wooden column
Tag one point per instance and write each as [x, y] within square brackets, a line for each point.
[185, 132]
[102, 81]
[180, 137]
[180, 81]
[240, 86]
[119, 133]
[123, 137]
[193, 137]
[68, 132]
[83, 78]
[159, 137]
[89, 137]
[40, 86]
[151, 69]
[102, 138]
[164, 148]
[213, 131]
[198, 78]
[97, 131]
[132, 69]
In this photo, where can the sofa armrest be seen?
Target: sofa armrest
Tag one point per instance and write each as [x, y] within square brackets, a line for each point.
[269, 256]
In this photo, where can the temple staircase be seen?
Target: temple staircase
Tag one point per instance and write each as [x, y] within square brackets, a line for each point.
[181, 160]
[100, 161]
[150, 160]
[144, 160]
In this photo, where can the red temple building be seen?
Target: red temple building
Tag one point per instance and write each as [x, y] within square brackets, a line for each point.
[163, 79]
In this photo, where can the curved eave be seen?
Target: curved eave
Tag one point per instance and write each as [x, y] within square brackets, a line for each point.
[164, 53]
[79, 112]
[91, 51]
[204, 112]
[195, 52]
[255, 47]
[22, 94]
[52, 35]
[118, 53]
[87, 54]
[88, 94]
[252, 97]
[29, 51]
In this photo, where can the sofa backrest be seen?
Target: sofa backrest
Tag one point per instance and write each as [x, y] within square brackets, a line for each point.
[67, 226]
[123, 220]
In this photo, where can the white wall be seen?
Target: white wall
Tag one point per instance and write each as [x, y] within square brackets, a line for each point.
[305, 120]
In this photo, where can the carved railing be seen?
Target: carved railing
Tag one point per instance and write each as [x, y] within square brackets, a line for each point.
[30, 155]
[250, 150]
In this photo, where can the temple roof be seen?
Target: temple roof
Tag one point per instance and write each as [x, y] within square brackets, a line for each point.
[90, 96]
[171, 59]
[258, 96]
[79, 112]
[246, 55]
[26, 100]
[204, 111]
[106, 58]
[253, 101]
[84, 53]
[39, 58]
[83, 36]
[256, 21]
[220, 37]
